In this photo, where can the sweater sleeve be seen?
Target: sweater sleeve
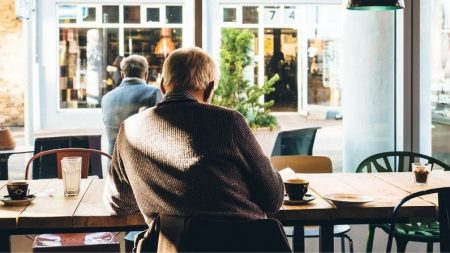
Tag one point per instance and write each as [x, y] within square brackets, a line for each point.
[118, 196]
[265, 183]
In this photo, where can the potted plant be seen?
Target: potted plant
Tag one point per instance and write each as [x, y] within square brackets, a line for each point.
[237, 92]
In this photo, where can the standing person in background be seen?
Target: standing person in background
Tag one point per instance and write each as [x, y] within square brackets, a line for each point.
[114, 73]
[130, 97]
[117, 75]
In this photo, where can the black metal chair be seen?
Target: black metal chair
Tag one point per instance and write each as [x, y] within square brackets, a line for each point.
[443, 216]
[41, 167]
[400, 161]
[295, 142]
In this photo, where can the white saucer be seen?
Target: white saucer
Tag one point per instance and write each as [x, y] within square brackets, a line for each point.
[23, 202]
[348, 199]
[307, 198]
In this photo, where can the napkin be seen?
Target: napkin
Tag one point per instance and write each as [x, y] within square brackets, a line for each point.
[287, 173]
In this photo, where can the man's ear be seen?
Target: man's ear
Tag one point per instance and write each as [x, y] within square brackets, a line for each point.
[207, 95]
[163, 90]
[122, 75]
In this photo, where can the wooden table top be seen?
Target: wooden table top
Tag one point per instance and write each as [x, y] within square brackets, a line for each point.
[387, 189]
[52, 210]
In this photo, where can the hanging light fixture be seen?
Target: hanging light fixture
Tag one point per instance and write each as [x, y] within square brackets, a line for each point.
[375, 5]
[165, 45]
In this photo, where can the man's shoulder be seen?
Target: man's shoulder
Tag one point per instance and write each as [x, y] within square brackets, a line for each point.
[220, 109]
[139, 117]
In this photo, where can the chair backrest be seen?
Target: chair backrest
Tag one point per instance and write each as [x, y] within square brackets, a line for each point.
[42, 169]
[207, 235]
[295, 142]
[65, 152]
[443, 216]
[396, 161]
[303, 163]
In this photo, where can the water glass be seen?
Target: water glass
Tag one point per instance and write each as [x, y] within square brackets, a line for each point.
[421, 172]
[71, 174]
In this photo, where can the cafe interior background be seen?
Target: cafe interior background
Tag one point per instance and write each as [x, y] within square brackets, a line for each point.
[374, 81]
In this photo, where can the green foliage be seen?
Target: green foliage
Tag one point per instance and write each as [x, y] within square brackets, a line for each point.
[236, 92]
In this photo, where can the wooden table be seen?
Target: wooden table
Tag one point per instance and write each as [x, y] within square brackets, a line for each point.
[387, 189]
[4, 157]
[86, 212]
[51, 212]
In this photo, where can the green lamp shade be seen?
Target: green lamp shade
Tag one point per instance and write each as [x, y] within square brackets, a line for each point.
[375, 5]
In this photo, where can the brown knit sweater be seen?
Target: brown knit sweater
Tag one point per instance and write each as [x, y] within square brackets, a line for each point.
[186, 158]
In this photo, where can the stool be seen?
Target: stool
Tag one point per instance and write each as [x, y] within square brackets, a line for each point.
[76, 242]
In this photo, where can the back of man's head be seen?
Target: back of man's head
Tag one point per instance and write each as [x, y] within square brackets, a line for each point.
[189, 68]
[134, 66]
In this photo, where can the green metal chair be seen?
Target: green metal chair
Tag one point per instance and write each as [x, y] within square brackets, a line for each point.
[443, 216]
[420, 230]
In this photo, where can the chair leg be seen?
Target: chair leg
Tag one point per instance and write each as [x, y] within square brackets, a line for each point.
[401, 244]
[369, 245]
[429, 247]
[350, 242]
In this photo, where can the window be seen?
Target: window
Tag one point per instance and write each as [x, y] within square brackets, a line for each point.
[93, 39]
[300, 43]
[435, 78]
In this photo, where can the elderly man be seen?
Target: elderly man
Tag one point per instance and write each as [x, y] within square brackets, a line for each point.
[132, 95]
[185, 157]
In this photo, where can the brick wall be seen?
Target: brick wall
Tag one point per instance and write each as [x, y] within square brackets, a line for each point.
[12, 66]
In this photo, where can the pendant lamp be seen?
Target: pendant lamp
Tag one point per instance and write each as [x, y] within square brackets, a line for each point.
[165, 45]
[375, 5]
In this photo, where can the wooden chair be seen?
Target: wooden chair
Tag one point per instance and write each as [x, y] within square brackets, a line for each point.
[443, 216]
[45, 167]
[312, 164]
[422, 230]
[73, 242]
[295, 142]
[65, 152]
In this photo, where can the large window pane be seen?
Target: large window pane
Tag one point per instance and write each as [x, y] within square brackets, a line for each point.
[435, 41]
[84, 55]
[90, 42]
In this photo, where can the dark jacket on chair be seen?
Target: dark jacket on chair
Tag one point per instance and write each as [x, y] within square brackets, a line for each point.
[188, 234]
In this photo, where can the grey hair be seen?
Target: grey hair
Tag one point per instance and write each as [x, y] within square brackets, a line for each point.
[189, 68]
[134, 66]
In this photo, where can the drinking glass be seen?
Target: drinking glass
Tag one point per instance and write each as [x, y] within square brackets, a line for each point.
[421, 172]
[71, 174]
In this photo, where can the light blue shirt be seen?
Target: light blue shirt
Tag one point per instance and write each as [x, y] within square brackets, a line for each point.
[127, 99]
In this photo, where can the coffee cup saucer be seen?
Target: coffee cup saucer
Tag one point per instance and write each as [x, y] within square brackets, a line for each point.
[307, 198]
[22, 202]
